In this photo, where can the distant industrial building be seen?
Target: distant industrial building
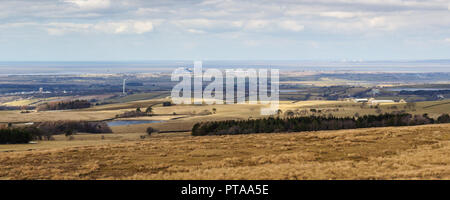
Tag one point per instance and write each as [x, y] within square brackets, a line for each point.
[373, 101]
[123, 86]
[376, 102]
[375, 92]
[360, 100]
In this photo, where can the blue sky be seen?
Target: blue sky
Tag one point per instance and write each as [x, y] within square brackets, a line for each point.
[128, 30]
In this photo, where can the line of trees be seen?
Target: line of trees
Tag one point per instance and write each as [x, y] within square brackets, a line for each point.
[17, 107]
[64, 105]
[15, 136]
[311, 123]
[136, 113]
[65, 127]
[46, 130]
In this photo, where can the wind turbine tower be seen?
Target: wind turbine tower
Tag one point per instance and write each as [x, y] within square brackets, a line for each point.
[124, 84]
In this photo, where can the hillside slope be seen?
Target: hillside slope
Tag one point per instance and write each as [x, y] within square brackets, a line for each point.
[420, 152]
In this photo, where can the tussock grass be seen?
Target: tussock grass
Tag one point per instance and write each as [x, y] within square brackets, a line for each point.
[420, 152]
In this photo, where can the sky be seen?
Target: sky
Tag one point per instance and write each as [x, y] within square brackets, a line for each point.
[136, 30]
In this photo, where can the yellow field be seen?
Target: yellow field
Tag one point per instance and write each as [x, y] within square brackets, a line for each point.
[421, 152]
[28, 102]
[21, 102]
[244, 111]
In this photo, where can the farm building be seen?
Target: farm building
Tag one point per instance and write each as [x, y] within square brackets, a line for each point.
[376, 102]
[360, 100]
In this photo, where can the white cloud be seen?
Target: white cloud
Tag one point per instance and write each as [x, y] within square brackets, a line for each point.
[210, 2]
[55, 31]
[385, 24]
[447, 40]
[203, 25]
[340, 15]
[237, 23]
[147, 11]
[142, 27]
[225, 16]
[256, 24]
[291, 25]
[90, 4]
[196, 31]
[366, 25]
[377, 22]
[207, 25]
[120, 27]
[130, 27]
[63, 28]
[195, 22]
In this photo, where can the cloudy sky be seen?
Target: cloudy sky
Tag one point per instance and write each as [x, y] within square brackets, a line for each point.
[127, 30]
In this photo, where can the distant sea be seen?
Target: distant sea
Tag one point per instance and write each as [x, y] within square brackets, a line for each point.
[29, 68]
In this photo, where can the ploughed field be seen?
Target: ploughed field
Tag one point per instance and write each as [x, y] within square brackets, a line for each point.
[417, 152]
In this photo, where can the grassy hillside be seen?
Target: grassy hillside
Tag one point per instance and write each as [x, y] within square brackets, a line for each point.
[421, 152]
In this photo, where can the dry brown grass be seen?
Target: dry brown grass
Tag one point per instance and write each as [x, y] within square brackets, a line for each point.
[420, 152]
